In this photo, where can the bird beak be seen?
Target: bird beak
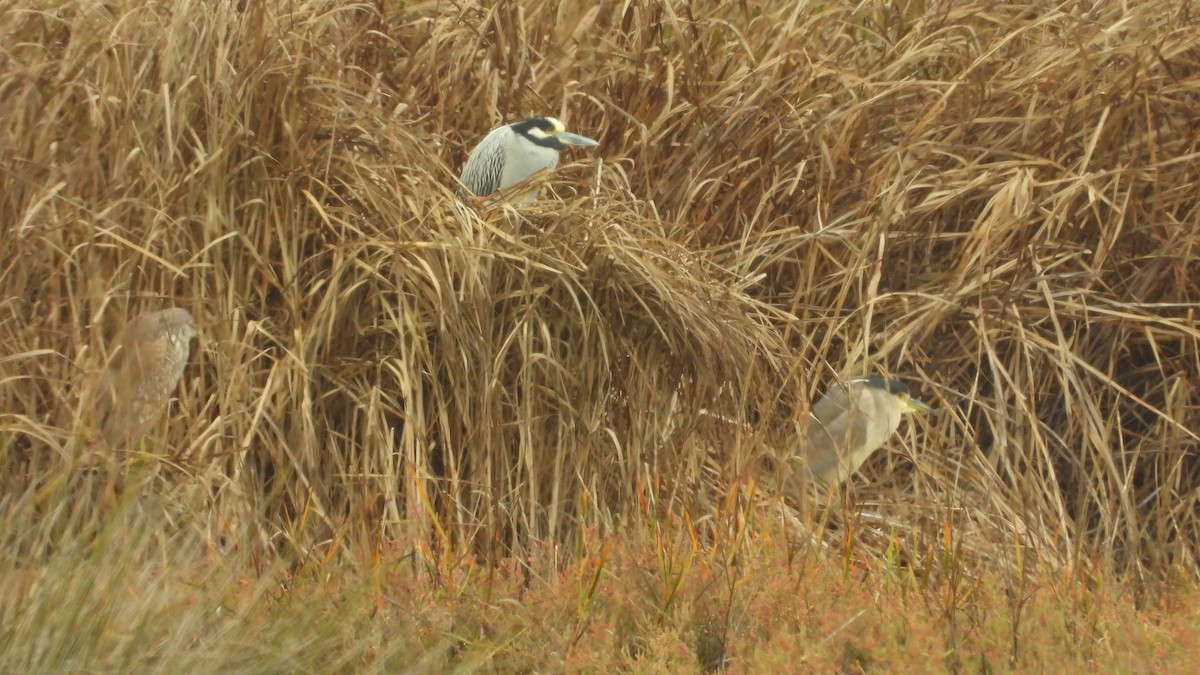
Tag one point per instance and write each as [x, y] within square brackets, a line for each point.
[917, 405]
[575, 139]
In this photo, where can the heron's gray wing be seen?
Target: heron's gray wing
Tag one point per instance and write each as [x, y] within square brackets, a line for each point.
[482, 173]
[834, 427]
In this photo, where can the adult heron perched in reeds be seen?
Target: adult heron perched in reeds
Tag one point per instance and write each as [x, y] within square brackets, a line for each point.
[510, 154]
[851, 421]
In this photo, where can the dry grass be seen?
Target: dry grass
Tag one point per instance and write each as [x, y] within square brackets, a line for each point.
[997, 203]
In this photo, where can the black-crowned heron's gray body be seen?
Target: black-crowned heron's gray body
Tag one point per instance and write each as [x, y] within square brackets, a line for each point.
[510, 154]
[144, 372]
[852, 420]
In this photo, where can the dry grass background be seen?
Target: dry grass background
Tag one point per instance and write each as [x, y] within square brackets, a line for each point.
[995, 202]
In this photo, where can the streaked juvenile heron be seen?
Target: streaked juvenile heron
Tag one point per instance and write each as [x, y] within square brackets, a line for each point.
[144, 372]
[852, 420]
[512, 153]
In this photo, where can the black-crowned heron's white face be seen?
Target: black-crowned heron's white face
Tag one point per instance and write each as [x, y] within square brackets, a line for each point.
[511, 154]
[143, 374]
[851, 421]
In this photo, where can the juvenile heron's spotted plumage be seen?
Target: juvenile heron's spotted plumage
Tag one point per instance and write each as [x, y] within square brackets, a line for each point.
[851, 421]
[144, 372]
[513, 153]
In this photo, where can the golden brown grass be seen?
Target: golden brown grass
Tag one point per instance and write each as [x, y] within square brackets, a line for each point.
[995, 202]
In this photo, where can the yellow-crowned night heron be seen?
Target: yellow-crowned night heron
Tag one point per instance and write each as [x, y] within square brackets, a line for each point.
[852, 420]
[510, 154]
[144, 372]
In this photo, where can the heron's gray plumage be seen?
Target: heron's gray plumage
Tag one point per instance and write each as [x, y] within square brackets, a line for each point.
[145, 371]
[850, 422]
[510, 154]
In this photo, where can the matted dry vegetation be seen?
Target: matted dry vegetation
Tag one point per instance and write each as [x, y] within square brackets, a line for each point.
[995, 202]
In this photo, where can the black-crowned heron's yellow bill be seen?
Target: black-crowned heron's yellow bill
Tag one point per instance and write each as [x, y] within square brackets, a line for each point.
[511, 154]
[852, 420]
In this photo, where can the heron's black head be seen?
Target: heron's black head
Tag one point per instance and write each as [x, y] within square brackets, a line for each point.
[894, 387]
[548, 132]
[541, 131]
[897, 389]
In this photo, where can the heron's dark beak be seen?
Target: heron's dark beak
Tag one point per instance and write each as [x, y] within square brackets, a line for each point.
[917, 405]
[575, 139]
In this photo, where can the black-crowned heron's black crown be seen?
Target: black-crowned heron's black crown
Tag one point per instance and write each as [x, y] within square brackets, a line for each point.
[892, 386]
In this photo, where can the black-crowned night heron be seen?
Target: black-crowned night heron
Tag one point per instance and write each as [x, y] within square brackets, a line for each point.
[510, 154]
[852, 420]
[144, 372]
